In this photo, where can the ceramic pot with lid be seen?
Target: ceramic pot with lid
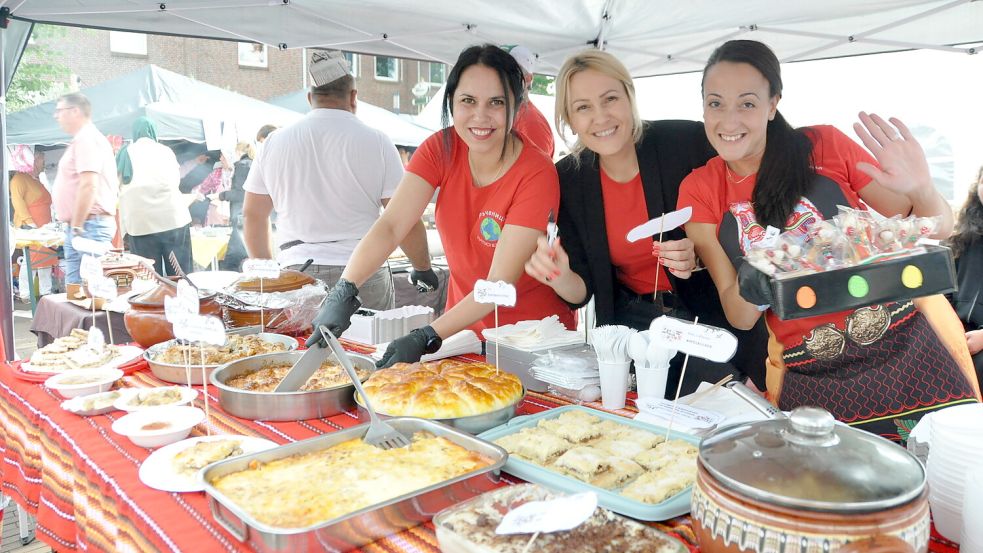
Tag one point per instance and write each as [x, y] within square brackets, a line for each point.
[249, 315]
[145, 320]
[807, 483]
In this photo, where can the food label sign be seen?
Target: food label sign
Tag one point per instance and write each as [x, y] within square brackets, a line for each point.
[261, 268]
[187, 297]
[498, 292]
[102, 287]
[200, 328]
[90, 268]
[553, 515]
[703, 341]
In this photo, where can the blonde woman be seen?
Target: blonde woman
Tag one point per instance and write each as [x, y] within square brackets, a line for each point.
[622, 172]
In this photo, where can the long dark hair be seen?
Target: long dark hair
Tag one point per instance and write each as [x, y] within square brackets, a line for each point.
[786, 166]
[509, 73]
[969, 223]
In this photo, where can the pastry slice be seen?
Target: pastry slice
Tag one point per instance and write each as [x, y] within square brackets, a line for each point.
[619, 472]
[620, 446]
[192, 459]
[87, 357]
[583, 462]
[535, 444]
[656, 487]
[667, 453]
[575, 432]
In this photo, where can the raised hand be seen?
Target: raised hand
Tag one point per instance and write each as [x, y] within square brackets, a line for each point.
[903, 167]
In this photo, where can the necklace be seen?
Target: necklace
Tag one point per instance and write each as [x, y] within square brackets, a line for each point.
[474, 172]
[733, 178]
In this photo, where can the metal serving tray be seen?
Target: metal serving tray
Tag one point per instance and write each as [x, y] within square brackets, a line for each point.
[676, 505]
[282, 406]
[175, 373]
[365, 525]
[473, 424]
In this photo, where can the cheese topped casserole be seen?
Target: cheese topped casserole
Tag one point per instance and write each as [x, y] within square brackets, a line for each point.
[308, 489]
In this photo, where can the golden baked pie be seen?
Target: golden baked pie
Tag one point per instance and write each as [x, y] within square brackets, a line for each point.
[236, 347]
[307, 489]
[442, 389]
[266, 379]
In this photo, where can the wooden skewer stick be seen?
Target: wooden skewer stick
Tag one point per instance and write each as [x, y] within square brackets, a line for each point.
[204, 381]
[698, 395]
[679, 387]
[658, 263]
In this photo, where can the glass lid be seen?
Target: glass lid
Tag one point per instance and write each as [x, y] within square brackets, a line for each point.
[810, 461]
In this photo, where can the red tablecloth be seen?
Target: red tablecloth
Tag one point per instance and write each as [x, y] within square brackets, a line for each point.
[79, 478]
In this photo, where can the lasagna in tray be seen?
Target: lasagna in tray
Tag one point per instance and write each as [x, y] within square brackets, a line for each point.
[630, 461]
[308, 489]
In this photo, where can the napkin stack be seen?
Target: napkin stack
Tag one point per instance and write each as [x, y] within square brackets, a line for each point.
[465, 341]
[534, 335]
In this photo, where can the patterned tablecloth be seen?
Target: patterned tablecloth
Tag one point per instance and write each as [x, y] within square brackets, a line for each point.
[79, 478]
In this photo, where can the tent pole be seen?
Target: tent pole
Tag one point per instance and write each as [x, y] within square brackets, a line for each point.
[6, 273]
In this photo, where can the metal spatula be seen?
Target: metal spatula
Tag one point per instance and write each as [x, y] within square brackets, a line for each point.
[303, 369]
[380, 433]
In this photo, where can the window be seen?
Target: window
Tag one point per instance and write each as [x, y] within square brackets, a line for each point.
[252, 54]
[386, 68]
[438, 73]
[131, 44]
[353, 62]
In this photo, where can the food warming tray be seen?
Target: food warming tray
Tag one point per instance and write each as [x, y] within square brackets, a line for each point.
[282, 406]
[175, 373]
[676, 505]
[362, 526]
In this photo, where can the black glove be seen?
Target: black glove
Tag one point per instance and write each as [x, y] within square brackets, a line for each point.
[755, 286]
[407, 349]
[336, 311]
[425, 281]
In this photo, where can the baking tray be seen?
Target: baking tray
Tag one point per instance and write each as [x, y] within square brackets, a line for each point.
[896, 279]
[473, 424]
[365, 525]
[176, 374]
[676, 505]
[282, 406]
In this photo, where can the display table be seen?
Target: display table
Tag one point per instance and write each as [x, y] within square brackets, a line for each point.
[42, 243]
[56, 317]
[79, 478]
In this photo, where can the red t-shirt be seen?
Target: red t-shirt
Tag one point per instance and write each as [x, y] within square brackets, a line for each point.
[625, 209]
[712, 195]
[470, 220]
[533, 127]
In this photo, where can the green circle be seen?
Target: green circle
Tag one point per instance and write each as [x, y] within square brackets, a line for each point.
[857, 286]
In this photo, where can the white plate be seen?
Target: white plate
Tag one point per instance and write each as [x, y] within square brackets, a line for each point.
[214, 280]
[158, 472]
[123, 403]
[74, 405]
[126, 354]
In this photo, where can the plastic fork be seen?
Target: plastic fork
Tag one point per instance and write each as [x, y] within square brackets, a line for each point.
[380, 433]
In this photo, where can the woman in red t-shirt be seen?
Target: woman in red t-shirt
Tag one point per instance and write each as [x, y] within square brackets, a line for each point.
[622, 173]
[858, 365]
[496, 195]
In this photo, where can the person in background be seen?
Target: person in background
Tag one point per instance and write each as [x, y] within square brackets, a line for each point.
[327, 176]
[529, 121]
[496, 194]
[624, 171]
[154, 213]
[31, 208]
[879, 368]
[236, 251]
[194, 173]
[86, 186]
[967, 247]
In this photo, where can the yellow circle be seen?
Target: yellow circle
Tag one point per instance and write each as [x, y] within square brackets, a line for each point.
[911, 277]
[805, 297]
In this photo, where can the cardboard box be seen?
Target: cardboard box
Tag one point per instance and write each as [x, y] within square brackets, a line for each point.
[895, 279]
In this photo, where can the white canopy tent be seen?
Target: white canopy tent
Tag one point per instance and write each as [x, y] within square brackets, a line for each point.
[652, 37]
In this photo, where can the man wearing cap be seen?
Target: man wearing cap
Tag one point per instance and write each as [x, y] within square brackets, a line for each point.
[86, 186]
[529, 121]
[327, 176]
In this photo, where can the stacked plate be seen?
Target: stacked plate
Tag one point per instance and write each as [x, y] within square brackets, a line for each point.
[972, 537]
[957, 446]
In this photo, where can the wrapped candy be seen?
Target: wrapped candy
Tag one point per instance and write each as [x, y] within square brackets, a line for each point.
[829, 247]
[912, 229]
[857, 226]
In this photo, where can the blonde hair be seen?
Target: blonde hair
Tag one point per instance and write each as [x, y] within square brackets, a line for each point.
[603, 63]
[245, 148]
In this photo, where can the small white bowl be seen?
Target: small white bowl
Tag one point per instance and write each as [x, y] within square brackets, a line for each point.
[80, 382]
[126, 402]
[159, 426]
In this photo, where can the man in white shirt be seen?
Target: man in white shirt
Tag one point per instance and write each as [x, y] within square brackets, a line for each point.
[327, 176]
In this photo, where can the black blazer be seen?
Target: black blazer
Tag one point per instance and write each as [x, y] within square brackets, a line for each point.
[667, 153]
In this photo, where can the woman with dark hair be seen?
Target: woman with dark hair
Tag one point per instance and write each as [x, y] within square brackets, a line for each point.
[496, 195]
[857, 365]
[623, 172]
[967, 247]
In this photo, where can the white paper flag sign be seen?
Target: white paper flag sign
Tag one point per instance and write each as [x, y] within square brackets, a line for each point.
[199, 328]
[691, 417]
[102, 287]
[261, 268]
[667, 222]
[553, 515]
[90, 268]
[96, 340]
[703, 341]
[498, 292]
[87, 245]
[187, 296]
[174, 310]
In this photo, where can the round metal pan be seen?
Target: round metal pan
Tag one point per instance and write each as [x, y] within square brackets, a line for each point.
[473, 424]
[282, 406]
[176, 374]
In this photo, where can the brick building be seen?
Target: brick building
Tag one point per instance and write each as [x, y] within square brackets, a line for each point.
[93, 56]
